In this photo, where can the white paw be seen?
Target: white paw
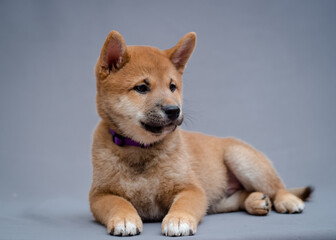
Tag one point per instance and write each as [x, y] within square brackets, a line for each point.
[124, 227]
[289, 204]
[178, 226]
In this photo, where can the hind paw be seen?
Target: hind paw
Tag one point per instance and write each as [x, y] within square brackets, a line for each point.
[286, 202]
[258, 203]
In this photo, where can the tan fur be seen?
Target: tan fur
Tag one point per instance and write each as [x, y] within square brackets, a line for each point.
[183, 174]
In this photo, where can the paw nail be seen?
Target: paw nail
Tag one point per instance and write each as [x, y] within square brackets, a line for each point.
[137, 231]
[263, 197]
[112, 231]
[191, 232]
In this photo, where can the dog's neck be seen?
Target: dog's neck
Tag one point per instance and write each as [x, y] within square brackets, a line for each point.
[138, 159]
[117, 137]
[124, 141]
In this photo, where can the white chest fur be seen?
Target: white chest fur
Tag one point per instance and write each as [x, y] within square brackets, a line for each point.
[142, 193]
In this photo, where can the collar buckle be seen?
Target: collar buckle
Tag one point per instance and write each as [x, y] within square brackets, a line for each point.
[118, 139]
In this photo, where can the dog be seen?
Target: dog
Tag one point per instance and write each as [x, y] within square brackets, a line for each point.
[145, 168]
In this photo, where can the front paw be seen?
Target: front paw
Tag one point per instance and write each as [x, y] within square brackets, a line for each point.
[125, 225]
[179, 225]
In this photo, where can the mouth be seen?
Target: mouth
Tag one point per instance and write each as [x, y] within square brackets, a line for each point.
[158, 129]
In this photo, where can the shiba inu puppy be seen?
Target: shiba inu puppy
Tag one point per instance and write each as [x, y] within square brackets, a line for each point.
[145, 168]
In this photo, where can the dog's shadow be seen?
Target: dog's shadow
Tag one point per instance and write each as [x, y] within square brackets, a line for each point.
[69, 217]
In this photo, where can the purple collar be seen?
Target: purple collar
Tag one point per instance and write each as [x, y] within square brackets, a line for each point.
[123, 141]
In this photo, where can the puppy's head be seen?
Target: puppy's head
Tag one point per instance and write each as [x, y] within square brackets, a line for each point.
[139, 88]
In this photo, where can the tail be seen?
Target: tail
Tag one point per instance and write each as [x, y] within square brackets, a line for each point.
[304, 193]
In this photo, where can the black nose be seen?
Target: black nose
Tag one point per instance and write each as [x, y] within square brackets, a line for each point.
[171, 111]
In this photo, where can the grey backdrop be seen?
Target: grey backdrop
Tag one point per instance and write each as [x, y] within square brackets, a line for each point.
[262, 71]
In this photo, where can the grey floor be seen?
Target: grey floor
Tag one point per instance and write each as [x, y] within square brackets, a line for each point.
[68, 218]
[262, 71]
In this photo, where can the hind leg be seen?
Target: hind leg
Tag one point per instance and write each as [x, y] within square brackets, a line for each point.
[255, 203]
[256, 173]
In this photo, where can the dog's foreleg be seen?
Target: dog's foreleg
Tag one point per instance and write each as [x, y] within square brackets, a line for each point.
[116, 213]
[256, 173]
[187, 210]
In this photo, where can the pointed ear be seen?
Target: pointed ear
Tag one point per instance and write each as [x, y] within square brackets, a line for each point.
[113, 55]
[180, 54]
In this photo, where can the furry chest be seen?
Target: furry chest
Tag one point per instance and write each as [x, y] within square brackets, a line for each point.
[143, 194]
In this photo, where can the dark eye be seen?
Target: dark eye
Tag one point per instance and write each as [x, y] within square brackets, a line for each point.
[143, 88]
[172, 87]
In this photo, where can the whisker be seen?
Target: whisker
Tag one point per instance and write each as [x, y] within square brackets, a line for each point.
[189, 116]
